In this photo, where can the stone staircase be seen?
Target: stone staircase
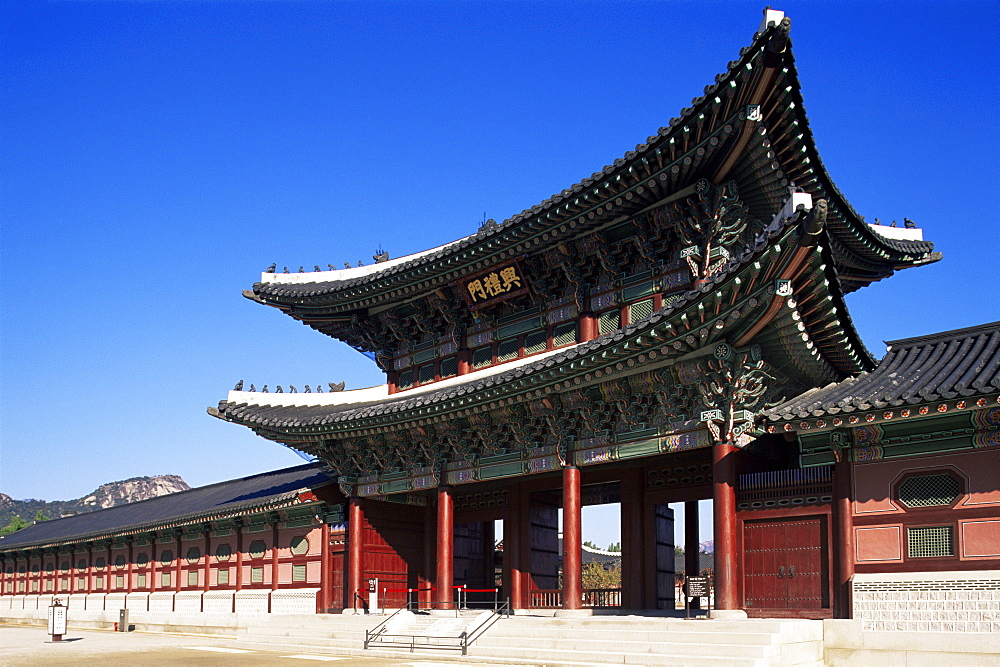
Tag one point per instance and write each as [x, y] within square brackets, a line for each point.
[534, 640]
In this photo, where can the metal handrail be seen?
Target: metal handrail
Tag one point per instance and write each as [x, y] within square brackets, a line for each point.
[374, 633]
[464, 640]
[500, 612]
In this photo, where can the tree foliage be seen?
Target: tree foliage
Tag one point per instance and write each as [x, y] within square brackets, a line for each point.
[595, 575]
[16, 524]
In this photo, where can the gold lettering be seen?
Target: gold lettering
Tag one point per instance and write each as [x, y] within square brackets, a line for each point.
[491, 283]
[476, 290]
[510, 278]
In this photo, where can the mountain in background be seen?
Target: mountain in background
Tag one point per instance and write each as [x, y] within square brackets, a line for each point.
[106, 495]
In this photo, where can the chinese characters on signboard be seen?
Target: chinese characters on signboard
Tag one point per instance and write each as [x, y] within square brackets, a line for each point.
[493, 285]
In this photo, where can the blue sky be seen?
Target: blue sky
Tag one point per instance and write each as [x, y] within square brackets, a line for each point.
[156, 156]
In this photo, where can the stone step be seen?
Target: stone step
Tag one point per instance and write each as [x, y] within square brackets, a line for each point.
[621, 657]
[611, 644]
[503, 633]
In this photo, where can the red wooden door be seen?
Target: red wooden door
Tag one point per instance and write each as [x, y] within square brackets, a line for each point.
[786, 564]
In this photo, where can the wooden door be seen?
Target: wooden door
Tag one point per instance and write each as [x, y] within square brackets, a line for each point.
[786, 564]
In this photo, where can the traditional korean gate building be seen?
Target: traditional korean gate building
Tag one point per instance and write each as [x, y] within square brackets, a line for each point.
[669, 329]
[620, 341]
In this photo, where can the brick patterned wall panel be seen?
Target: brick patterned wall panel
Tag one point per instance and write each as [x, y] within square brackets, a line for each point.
[294, 601]
[218, 602]
[929, 605]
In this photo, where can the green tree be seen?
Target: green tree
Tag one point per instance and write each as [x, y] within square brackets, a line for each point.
[41, 516]
[595, 575]
[615, 546]
[588, 543]
[16, 524]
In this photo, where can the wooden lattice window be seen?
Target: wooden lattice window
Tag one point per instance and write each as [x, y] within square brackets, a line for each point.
[257, 549]
[193, 554]
[564, 334]
[298, 572]
[930, 541]
[120, 561]
[609, 321]
[166, 556]
[482, 357]
[508, 350]
[929, 490]
[192, 578]
[223, 552]
[80, 565]
[449, 367]
[536, 342]
[222, 577]
[299, 546]
[427, 373]
[256, 575]
[640, 310]
[405, 380]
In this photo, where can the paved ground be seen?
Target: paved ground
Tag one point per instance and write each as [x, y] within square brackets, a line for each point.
[29, 646]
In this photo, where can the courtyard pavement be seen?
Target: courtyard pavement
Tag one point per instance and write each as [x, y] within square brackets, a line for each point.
[30, 646]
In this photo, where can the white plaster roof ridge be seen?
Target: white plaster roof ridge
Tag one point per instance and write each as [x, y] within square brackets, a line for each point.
[378, 393]
[898, 233]
[346, 274]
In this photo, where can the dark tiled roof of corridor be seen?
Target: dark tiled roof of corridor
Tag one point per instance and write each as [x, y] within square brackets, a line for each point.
[941, 366]
[247, 493]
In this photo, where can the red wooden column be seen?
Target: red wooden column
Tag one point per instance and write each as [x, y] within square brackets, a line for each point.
[274, 554]
[445, 548]
[207, 584]
[129, 567]
[572, 594]
[724, 515]
[691, 547]
[154, 560]
[238, 527]
[588, 327]
[90, 570]
[355, 530]
[464, 361]
[325, 570]
[843, 537]
[178, 563]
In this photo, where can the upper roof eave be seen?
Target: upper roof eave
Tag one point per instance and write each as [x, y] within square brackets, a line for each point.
[846, 224]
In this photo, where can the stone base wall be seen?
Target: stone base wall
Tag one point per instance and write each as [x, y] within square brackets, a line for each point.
[928, 601]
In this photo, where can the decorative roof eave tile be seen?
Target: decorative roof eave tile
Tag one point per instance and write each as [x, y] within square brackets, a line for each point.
[953, 370]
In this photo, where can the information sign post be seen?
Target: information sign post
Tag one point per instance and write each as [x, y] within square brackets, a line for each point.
[373, 596]
[697, 587]
[57, 620]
